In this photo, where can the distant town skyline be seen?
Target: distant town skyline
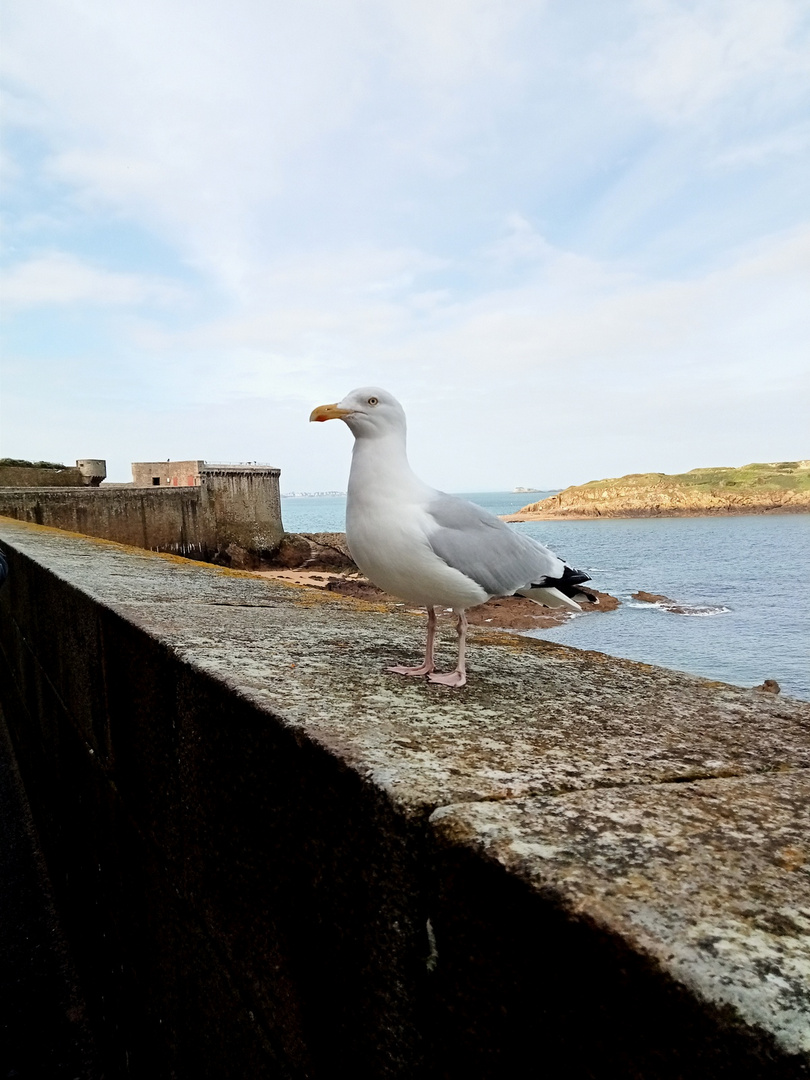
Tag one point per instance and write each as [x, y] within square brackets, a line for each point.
[574, 240]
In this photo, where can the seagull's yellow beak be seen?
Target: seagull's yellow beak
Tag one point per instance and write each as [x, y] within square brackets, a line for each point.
[329, 412]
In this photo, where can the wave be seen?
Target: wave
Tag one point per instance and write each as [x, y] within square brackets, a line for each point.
[698, 611]
[704, 613]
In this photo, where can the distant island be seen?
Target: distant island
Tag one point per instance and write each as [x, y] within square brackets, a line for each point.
[774, 487]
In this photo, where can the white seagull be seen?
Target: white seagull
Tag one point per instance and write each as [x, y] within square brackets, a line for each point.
[430, 548]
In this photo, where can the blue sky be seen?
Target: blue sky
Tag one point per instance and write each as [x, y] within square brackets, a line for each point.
[574, 239]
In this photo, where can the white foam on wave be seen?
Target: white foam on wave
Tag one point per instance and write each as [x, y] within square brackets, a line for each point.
[689, 610]
[703, 613]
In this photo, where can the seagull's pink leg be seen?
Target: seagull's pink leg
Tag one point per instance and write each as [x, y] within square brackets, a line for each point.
[428, 666]
[459, 676]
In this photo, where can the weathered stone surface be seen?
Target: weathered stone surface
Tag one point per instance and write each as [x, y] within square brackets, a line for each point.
[324, 551]
[710, 880]
[769, 686]
[167, 473]
[163, 519]
[336, 541]
[232, 516]
[536, 718]
[294, 550]
[647, 827]
[12, 476]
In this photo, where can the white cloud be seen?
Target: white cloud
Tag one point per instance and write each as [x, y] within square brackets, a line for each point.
[440, 47]
[570, 318]
[233, 131]
[791, 142]
[184, 116]
[684, 58]
[340, 174]
[58, 278]
[200, 120]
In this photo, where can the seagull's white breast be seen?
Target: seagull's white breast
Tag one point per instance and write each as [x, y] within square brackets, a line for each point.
[387, 533]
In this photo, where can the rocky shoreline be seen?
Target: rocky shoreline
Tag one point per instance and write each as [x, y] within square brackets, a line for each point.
[593, 514]
[774, 488]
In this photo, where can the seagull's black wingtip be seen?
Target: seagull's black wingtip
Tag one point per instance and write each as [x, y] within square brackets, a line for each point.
[568, 584]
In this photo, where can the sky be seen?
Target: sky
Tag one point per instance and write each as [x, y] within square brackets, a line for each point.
[572, 237]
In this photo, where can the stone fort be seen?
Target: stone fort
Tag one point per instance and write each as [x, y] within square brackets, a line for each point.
[230, 513]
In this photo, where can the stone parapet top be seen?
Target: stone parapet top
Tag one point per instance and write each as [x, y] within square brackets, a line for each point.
[668, 810]
[263, 470]
[91, 491]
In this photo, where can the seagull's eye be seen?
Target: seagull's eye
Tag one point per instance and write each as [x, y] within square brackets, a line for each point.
[373, 401]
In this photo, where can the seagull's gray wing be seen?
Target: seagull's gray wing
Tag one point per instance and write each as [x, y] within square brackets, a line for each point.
[481, 546]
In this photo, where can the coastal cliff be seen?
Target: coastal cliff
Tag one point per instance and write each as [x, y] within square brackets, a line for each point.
[782, 487]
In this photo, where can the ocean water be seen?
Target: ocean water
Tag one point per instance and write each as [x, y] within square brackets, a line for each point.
[743, 580]
[327, 513]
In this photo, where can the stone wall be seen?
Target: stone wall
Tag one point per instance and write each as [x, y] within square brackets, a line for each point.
[12, 476]
[166, 473]
[245, 504]
[272, 858]
[178, 520]
[234, 514]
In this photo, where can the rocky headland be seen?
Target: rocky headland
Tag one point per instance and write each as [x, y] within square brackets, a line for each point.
[776, 487]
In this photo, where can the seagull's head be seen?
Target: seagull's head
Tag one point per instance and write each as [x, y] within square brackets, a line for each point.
[369, 411]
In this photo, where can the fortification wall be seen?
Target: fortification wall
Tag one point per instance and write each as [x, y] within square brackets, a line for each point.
[234, 513]
[246, 505]
[160, 519]
[12, 476]
[272, 858]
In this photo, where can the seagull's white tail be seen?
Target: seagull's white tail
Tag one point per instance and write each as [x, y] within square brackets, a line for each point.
[550, 597]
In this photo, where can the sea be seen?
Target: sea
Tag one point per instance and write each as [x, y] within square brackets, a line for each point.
[741, 582]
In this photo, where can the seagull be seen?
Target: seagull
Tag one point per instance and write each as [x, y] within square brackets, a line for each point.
[429, 548]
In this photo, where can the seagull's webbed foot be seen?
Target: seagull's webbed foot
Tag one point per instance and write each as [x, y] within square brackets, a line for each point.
[428, 665]
[459, 676]
[400, 669]
[451, 678]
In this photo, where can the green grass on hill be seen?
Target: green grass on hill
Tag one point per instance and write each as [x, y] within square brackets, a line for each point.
[786, 475]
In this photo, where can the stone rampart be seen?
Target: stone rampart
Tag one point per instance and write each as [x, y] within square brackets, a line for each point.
[272, 858]
[176, 520]
[234, 513]
[13, 476]
[245, 504]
